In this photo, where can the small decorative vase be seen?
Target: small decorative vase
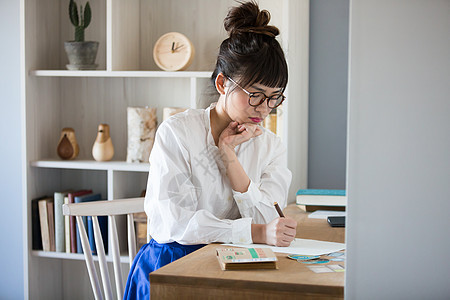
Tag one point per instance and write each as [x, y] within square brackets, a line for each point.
[103, 149]
[67, 145]
[141, 133]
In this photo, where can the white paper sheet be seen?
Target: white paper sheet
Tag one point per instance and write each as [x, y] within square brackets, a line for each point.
[323, 214]
[300, 246]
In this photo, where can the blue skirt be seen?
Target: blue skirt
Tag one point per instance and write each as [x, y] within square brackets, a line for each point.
[151, 257]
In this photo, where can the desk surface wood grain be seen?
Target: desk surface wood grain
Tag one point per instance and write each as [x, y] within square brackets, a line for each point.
[198, 275]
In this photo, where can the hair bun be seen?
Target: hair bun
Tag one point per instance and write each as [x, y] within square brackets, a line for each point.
[248, 18]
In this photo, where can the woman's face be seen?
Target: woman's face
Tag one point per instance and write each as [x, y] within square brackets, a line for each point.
[237, 102]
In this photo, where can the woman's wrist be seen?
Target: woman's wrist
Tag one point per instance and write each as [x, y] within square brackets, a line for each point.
[227, 154]
[259, 233]
[225, 147]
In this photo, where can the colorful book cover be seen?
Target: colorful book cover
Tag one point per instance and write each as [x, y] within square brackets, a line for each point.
[72, 220]
[246, 258]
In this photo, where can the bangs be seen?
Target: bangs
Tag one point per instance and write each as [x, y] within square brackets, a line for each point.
[266, 67]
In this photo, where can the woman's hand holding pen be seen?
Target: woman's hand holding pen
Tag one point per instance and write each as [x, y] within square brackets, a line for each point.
[280, 232]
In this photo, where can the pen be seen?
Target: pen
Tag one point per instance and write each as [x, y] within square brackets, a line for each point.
[277, 207]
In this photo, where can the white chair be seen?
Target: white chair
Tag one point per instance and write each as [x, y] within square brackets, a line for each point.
[110, 209]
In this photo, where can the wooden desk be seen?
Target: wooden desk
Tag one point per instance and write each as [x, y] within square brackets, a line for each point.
[198, 275]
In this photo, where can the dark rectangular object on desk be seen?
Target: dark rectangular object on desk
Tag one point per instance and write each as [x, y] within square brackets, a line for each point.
[336, 221]
[312, 208]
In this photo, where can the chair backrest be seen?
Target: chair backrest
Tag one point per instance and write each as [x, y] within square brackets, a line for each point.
[111, 209]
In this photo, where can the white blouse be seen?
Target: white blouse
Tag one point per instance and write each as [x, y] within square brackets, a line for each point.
[189, 199]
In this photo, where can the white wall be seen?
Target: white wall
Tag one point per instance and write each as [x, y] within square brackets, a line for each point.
[11, 228]
[398, 233]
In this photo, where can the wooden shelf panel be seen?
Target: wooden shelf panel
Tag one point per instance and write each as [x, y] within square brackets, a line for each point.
[91, 165]
[73, 256]
[104, 73]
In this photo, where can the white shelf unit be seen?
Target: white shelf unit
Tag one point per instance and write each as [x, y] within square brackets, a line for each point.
[74, 256]
[91, 165]
[54, 98]
[151, 74]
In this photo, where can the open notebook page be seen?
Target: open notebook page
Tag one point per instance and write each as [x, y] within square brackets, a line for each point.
[300, 246]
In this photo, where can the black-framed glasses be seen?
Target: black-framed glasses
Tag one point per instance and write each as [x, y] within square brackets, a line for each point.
[257, 98]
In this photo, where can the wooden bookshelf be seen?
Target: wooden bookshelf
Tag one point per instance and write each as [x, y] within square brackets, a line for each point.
[54, 98]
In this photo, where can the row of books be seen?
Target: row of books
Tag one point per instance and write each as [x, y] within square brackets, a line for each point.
[52, 231]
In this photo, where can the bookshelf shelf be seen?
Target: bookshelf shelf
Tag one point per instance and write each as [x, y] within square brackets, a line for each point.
[126, 74]
[74, 256]
[91, 165]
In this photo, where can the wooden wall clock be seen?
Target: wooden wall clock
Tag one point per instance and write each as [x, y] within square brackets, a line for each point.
[173, 52]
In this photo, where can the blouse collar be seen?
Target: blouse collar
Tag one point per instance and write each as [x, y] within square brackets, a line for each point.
[207, 123]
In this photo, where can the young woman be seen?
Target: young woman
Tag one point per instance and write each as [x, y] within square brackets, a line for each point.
[215, 173]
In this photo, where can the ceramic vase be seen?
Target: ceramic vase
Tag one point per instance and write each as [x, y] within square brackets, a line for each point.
[103, 149]
[141, 133]
[67, 146]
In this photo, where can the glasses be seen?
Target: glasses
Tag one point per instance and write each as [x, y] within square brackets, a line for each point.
[257, 98]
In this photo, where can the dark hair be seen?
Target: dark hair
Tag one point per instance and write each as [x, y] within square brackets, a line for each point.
[251, 51]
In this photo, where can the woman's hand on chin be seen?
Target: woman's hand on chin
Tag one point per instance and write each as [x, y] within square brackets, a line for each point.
[235, 134]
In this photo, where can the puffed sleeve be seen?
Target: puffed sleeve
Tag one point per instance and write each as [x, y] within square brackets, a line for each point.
[272, 186]
[171, 201]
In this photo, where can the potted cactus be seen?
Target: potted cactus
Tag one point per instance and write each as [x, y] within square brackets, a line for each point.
[81, 54]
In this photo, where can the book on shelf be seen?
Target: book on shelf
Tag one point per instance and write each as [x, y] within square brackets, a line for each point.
[59, 221]
[103, 224]
[51, 224]
[72, 220]
[47, 224]
[88, 225]
[246, 258]
[66, 228]
[36, 243]
[324, 199]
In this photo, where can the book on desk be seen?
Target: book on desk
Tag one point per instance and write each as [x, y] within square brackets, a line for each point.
[323, 199]
[246, 258]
